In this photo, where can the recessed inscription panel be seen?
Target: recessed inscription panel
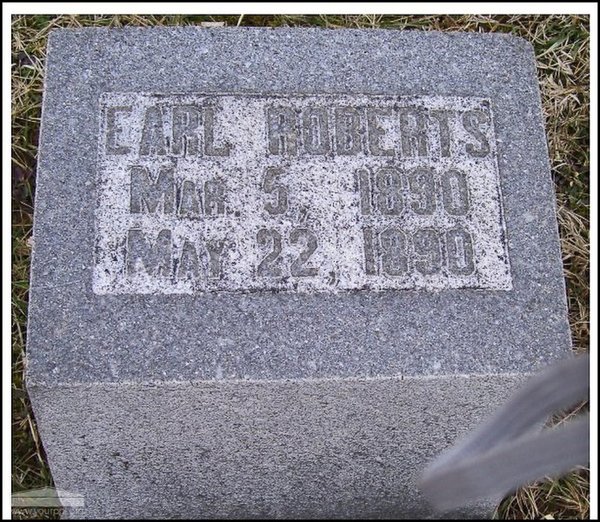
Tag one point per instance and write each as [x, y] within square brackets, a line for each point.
[323, 193]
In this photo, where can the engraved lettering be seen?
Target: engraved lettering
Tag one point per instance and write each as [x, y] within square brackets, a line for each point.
[185, 130]
[214, 198]
[389, 191]
[153, 133]
[283, 135]
[394, 261]
[455, 193]
[428, 252]
[347, 128]
[188, 266]
[376, 131]
[150, 195]
[473, 121]
[212, 192]
[271, 239]
[442, 117]
[209, 136]
[115, 117]
[298, 267]
[279, 203]
[363, 178]
[413, 132]
[369, 251]
[153, 257]
[460, 251]
[189, 203]
[215, 250]
[422, 189]
[316, 130]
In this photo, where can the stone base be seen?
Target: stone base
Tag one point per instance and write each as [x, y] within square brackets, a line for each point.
[274, 449]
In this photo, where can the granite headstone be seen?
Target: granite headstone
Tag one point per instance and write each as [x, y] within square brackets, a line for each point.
[275, 272]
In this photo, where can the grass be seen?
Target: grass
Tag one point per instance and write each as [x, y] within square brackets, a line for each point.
[561, 44]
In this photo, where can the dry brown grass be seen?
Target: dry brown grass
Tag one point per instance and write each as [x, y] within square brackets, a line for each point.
[562, 48]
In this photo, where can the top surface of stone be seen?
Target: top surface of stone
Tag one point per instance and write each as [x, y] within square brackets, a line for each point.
[292, 203]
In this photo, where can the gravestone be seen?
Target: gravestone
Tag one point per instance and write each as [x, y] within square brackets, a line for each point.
[276, 272]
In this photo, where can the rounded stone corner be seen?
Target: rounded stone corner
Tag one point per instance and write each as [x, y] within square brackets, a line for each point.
[520, 42]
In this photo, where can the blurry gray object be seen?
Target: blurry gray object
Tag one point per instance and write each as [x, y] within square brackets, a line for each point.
[508, 450]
